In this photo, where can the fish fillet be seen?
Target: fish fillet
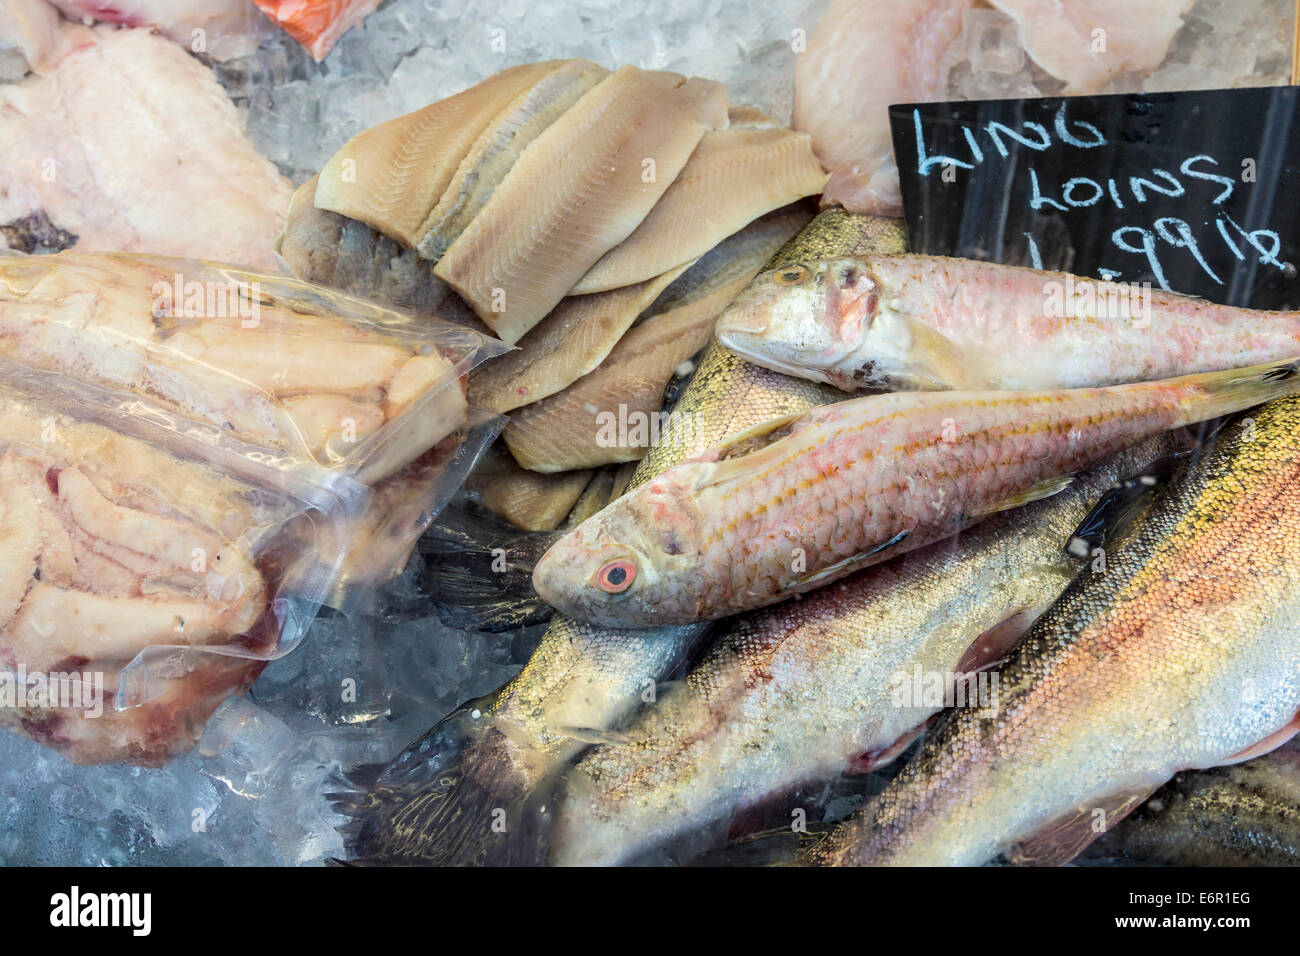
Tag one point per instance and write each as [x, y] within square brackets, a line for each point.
[577, 191]
[734, 176]
[391, 176]
[133, 146]
[563, 347]
[317, 24]
[222, 29]
[498, 147]
[102, 536]
[861, 58]
[526, 499]
[1061, 36]
[563, 430]
[309, 384]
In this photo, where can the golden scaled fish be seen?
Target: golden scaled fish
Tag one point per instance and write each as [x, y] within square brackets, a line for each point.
[1181, 651]
[914, 322]
[852, 484]
[792, 696]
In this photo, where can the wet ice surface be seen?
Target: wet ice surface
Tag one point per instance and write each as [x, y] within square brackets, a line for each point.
[414, 52]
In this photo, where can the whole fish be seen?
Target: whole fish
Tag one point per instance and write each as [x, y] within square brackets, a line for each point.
[435, 803]
[1183, 653]
[797, 694]
[853, 484]
[914, 322]
[1245, 815]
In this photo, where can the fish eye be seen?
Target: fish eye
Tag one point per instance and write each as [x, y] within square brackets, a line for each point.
[616, 576]
[791, 275]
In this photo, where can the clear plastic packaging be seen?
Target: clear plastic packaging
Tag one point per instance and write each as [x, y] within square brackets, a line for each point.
[276, 362]
[148, 569]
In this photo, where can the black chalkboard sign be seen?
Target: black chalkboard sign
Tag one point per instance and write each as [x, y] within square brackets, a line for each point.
[1197, 192]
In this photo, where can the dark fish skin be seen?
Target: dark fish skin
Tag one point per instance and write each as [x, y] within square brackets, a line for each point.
[435, 803]
[1182, 652]
[1247, 815]
[35, 234]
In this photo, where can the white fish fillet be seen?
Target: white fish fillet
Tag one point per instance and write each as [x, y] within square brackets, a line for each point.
[861, 58]
[734, 176]
[220, 28]
[577, 191]
[393, 175]
[132, 145]
[1060, 36]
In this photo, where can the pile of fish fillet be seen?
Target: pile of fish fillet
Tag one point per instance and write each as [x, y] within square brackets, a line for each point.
[598, 221]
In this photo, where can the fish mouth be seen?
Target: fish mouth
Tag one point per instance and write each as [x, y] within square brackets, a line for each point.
[742, 347]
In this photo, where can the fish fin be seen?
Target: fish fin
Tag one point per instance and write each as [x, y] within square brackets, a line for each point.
[479, 572]
[1069, 834]
[875, 759]
[1268, 744]
[1044, 489]
[732, 456]
[939, 355]
[991, 646]
[839, 567]
[778, 847]
[1222, 393]
[1118, 506]
[594, 735]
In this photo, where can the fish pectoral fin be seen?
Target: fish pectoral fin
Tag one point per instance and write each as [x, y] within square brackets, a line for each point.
[940, 364]
[1044, 489]
[1268, 744]
[841, 567]
[1118, 506]
[874, 759]
[991, 646]
[1069, 834]
[732, 456]
[594, 735]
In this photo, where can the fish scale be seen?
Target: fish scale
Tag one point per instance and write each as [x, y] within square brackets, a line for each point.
[1184, 653]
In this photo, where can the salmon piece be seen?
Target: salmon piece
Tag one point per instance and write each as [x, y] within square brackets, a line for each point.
[317, 24]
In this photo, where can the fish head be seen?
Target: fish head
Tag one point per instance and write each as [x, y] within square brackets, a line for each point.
[808, 319]
[632, 564]
[829, 321]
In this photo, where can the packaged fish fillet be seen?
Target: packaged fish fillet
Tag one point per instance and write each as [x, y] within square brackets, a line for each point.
[149, 569]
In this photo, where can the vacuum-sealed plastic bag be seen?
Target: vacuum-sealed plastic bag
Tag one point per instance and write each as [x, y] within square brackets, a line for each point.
[147, 571]
[276, 362]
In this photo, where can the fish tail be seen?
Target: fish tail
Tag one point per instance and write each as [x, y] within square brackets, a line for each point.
[452, 798]
[479, 572]
[1211, 394]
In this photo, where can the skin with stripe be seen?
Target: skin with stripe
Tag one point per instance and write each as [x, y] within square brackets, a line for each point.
[914, 322]
[1184, 653]
[851, 485]
[794, 695]
[434, 803]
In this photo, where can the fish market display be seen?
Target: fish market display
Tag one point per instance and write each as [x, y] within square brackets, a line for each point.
[563, 430]
[1183, 653]
[845, 108]
[930, 322]
[802, 692]
[1243, 815]
[79, 145]
[618, 148]
[271, 361]
[434, 802]
[754, 168]
[844, 487]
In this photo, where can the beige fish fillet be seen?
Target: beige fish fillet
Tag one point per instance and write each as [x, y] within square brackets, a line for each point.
[391, 176]
[526, 499]
[563, 431]
[577, 191]
[734, 176]
[563, 347]
[499, 146]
